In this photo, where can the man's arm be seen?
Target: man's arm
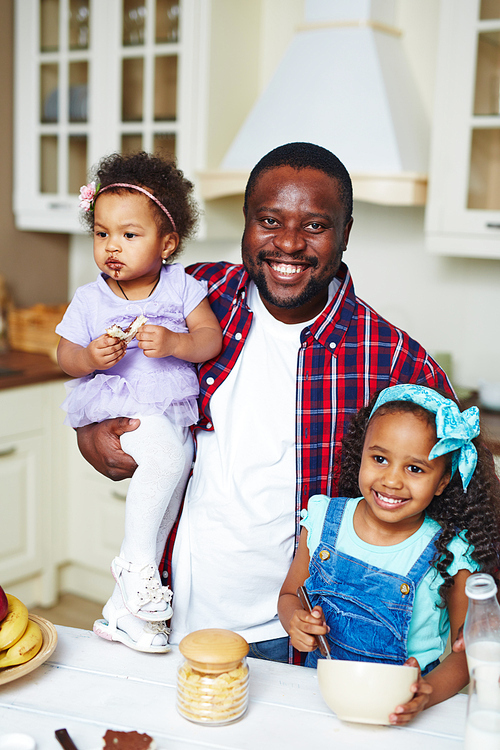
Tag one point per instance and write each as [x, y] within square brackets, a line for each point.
[99, 444]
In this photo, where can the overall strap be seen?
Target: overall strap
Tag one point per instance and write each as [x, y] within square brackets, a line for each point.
[333, 519]
[423, 563]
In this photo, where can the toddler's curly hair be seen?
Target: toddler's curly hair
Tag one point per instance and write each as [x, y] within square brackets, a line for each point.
[159, 176]
[475, 513]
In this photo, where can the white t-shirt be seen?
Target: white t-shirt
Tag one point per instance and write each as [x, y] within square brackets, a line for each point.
[235, 539]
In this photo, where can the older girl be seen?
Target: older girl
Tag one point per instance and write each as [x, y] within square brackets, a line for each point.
[386, 565]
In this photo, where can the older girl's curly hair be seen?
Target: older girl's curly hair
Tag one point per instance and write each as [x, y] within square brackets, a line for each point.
[476, 512]
[161, 178]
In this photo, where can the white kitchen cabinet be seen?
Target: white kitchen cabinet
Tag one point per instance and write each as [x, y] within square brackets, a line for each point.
[96, 521]
[61, 522]
[32, 492]
[463, 209]
[98, 76]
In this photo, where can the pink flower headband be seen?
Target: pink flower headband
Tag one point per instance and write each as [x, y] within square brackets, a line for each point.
[89, 193]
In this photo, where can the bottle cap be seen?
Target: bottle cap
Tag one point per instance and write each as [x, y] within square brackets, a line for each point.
[480, 586]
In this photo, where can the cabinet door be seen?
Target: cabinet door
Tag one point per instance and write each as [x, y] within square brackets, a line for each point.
[21, 522]
[96, 521]
[93, 77]
[54, 44]
[33, 491]
[463, 211]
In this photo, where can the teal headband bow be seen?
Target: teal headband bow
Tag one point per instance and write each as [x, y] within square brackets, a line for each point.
[455, 429]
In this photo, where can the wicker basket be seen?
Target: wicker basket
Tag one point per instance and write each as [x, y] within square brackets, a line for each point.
[32, 329]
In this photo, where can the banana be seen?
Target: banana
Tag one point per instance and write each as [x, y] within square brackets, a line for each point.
[14, 623]
[25, 648]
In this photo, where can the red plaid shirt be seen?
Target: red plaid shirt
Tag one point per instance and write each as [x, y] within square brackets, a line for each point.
[347, 354]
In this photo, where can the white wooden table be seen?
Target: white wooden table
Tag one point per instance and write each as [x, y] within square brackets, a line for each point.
[90, 685]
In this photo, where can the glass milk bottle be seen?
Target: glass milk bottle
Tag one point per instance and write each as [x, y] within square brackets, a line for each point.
[482, 623]
[482, 728]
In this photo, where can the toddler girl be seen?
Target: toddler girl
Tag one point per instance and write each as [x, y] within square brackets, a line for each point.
[140, 212]
[386, 565]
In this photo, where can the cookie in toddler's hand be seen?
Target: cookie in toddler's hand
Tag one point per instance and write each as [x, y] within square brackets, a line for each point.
[128, 334]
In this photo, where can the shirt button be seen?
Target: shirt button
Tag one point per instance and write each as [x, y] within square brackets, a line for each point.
[404, 588]
[210, 381]
[324, 554]
[333, 345]
[209, 425]
[237, 336]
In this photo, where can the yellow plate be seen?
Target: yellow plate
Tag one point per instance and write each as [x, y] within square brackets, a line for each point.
[49, 633]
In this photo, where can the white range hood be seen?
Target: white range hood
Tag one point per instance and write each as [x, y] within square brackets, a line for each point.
[345, 84]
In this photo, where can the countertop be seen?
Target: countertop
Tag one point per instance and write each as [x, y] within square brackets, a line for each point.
[89, 685]
[24, 368]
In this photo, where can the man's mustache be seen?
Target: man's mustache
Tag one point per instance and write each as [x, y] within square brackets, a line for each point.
[263, 256]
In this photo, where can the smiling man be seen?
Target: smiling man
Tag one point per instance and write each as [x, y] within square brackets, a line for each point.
[301, 355]
[296, 229]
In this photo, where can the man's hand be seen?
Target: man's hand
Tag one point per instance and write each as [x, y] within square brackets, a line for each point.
[100, 445]
[422, 691]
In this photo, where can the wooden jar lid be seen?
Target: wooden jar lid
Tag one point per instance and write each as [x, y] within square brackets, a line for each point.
[213, 649]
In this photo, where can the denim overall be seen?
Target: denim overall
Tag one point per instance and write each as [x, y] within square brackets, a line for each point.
[368, 609]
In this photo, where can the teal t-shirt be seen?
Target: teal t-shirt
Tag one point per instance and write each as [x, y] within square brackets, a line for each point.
[429, 625]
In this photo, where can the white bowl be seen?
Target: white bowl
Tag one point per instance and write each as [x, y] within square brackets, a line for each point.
[16, 741]
[364, 692]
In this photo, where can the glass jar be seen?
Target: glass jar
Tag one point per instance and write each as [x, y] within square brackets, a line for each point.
[212, 682]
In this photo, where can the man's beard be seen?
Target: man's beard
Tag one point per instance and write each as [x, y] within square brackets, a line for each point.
[313, 288]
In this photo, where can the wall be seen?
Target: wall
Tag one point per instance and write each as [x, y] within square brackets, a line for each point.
[35, 264]
[448, 304]
[247, 41]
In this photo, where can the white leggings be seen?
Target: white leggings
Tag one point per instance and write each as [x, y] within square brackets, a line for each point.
[163, 453]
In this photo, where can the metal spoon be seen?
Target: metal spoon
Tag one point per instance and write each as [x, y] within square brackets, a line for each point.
[65, 740]
[323, 645]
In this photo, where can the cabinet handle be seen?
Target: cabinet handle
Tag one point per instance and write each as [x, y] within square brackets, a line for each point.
[492, 225]
[62, 206]
[118, 495]
[7, 452]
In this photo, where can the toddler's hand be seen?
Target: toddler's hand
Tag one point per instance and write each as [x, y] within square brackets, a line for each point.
[156, 341]
[304, 626]
[422, 691]
[105, 351]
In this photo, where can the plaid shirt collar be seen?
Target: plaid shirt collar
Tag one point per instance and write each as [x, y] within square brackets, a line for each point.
[330, 327]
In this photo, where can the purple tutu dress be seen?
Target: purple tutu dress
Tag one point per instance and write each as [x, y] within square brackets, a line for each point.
[137, 385]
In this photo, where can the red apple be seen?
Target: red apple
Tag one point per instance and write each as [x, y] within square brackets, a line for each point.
[4, 604]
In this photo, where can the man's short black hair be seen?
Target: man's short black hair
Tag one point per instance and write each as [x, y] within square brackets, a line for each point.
[305, 156]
